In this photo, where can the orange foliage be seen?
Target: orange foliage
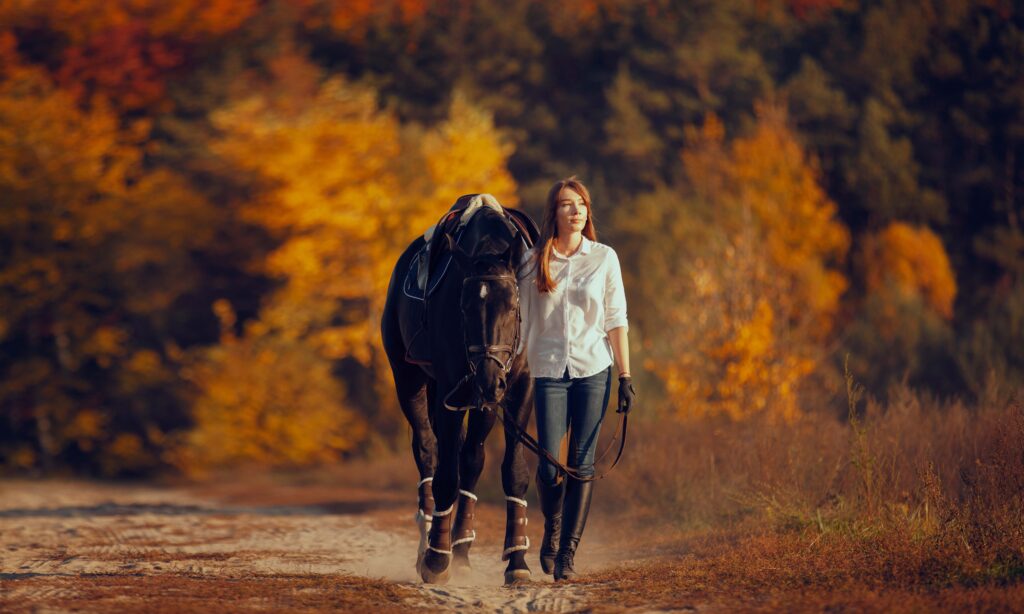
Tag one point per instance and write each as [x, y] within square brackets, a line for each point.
[346, 16]
[353, 17]
[265, 398]
[914, 259]
[779, 182]
[755, 289]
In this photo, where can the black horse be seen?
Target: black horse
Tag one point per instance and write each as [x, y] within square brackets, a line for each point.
[451, 337]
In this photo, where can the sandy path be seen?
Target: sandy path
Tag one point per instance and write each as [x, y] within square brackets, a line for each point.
[53, 531]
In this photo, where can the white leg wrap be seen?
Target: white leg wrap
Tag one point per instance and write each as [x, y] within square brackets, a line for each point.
[438, 514]
[516, 500]
[424, 518]
[465, 540]
[468, 494]
[444, 552]
[424, 481]
[508, 551]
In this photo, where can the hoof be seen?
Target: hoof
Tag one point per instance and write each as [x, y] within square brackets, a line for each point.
[460, 556]
[434, 568]
[517, 576]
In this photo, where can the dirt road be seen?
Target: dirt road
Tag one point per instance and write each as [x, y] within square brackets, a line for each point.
[86, 546]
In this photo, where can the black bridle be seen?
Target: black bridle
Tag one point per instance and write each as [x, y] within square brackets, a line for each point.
[488, 349]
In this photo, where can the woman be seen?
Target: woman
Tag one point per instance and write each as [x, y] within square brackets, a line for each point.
[574, 322]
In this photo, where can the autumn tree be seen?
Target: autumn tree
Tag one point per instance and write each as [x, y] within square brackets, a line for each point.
[95, 251]
[902, 329]
[749, 288]
[344, 187]
[123, 50]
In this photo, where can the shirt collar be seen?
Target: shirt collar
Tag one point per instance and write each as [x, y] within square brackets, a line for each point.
[585, 248]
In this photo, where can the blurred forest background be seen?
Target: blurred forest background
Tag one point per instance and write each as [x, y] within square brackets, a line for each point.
[201, 202]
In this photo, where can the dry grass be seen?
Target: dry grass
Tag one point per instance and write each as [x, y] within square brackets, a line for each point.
[911, 504]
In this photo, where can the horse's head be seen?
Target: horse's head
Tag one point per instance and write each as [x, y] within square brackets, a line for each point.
[489, 307]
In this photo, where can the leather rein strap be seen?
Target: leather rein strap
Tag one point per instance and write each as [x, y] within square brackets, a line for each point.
[534, 446]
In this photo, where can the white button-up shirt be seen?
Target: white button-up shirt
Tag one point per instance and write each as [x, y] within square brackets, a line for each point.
[568, 327]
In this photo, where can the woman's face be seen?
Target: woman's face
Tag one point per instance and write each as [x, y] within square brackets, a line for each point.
[570, 212]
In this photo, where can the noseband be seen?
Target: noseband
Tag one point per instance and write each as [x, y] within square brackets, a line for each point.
[476, 354]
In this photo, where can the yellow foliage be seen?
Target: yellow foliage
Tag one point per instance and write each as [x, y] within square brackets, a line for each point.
[759, 375]
[464, 155]
[346, 191]
[345, 188]
[268, 400]
[914, 259]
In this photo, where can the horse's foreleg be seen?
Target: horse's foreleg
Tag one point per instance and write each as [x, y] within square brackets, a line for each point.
[471, 465]
[515, 480]
[434, 567]
[414, 394]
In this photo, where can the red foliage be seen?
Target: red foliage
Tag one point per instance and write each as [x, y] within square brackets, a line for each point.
[124, 64]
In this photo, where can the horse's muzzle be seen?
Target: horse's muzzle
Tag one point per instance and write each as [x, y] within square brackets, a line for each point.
[494, 393]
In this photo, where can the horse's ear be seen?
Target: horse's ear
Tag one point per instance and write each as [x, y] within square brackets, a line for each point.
[462, 259]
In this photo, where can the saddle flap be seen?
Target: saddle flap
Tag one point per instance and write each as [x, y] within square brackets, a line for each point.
[420, 283]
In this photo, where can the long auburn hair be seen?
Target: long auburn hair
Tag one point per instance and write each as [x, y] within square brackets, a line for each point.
[549, 229]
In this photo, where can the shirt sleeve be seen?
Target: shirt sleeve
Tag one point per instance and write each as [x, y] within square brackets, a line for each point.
[614, 295]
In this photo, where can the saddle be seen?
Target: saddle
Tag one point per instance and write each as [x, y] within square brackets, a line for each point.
[431, 264]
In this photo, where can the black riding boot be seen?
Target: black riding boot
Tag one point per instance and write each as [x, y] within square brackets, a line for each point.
[574, 519]
[551, 505]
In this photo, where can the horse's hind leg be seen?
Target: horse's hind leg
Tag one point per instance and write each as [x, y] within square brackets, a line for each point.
[515, 479]
[471, 464]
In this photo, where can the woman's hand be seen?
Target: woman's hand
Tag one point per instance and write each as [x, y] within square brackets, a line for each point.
[627, 395]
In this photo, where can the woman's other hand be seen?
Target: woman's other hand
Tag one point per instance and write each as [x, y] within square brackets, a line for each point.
[627, 394]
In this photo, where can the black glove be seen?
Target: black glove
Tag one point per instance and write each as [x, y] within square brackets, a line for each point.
[627, 395]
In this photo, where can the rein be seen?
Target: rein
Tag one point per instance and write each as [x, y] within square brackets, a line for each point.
[534, 446]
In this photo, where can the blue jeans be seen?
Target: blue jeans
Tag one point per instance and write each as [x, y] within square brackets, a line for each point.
[565, 405]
